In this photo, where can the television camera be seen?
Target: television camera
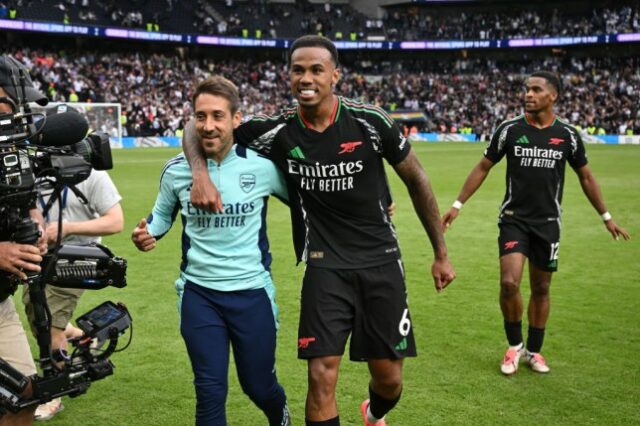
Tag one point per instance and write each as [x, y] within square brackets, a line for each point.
[38, 152]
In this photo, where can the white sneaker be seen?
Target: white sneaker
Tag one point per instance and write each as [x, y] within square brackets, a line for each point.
[48, 410]
[511, 359]
[536, 362]
[363, 409]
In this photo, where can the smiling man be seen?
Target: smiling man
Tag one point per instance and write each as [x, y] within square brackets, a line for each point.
[537, 145]
[331, 150]
[225, 287]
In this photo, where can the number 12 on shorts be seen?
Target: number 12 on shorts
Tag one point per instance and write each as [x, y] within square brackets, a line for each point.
[555, 248]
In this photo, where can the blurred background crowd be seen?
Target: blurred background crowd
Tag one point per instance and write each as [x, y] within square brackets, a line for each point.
[462, 91]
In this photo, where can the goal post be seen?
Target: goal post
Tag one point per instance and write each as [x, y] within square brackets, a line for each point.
[102, 117]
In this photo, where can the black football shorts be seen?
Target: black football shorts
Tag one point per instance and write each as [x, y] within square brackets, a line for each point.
[539, 242]
[369, 303]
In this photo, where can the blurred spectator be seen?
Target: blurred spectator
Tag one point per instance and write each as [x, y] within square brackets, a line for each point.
[155, 89]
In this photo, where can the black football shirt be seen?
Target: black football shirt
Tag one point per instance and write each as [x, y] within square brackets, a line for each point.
[337, 182]
[536, 161]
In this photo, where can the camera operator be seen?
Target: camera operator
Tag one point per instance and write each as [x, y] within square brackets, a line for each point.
[82, 224]
[15, 259]
[14, 347]
[42, 157]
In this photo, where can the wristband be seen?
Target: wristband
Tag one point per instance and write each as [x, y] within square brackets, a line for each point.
[606, 216]
[457, 205]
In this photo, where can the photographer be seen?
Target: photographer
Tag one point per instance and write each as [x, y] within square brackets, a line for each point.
[15, 259]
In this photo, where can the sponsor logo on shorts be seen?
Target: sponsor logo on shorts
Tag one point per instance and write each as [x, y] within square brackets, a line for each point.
[348, 147]
[555, 141]
[553, 264]
[510, 245]
[303, 342]
[402, 346]
[316, 255]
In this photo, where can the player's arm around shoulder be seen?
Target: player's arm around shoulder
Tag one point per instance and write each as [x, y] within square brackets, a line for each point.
[204, 193]
[591, 189]
[249, 132]
[424, 201]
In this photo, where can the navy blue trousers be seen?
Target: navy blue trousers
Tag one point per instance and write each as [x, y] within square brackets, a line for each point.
[210, 321]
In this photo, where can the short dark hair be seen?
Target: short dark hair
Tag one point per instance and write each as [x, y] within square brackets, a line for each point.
[219, 86]
[551, 78]
[315, 41]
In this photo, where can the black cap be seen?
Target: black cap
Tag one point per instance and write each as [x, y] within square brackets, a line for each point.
[10, 66]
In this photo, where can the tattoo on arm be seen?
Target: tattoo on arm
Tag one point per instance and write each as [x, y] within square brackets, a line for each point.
[191, 147]
[424, 201]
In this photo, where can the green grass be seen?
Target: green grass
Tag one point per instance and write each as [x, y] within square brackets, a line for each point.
[592, 342]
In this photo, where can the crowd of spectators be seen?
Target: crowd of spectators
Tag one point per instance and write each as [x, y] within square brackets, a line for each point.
[279, 20]
[155, 89]
[248, 18]
[418, 23]
[152, 15]
[262, 19]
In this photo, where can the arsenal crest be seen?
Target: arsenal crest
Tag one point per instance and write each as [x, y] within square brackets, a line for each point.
[247, 182]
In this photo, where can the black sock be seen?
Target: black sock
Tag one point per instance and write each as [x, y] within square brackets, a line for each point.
[380, 406]
[331, 422]
[514, 332]
[535, 339]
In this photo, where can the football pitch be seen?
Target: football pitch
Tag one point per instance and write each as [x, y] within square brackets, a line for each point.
[592, 341]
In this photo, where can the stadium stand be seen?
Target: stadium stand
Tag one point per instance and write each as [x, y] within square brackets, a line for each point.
[279, 20]
[264, 19]
[168, 15]
[249, 18]
[456, 91]
[511, 20]
[155, 88]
